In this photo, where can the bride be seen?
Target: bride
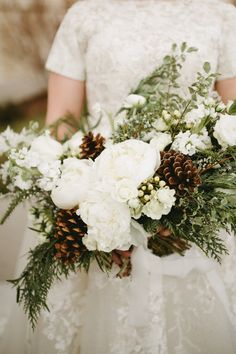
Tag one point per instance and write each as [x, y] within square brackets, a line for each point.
[187, 305]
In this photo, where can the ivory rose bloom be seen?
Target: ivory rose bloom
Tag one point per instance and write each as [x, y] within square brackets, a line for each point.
[225, 131]
[47, 148]
[124, 166]
[73, 186]
[108, 222]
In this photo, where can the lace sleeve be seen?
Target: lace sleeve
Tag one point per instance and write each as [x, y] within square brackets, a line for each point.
[227, 55]
[67, 53]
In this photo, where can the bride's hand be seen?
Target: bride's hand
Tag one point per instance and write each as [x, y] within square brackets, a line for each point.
[163, 231]
[117, 256]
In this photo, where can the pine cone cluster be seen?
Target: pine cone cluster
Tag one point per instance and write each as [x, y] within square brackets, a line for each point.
[92, 146]
[70, 229]
[179, 172]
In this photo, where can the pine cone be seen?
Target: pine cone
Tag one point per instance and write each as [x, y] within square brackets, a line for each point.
[179, 172]
[70, 229]
[92, 146]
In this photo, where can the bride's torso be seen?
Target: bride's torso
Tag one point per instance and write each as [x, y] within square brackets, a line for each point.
[113, 44]
[126, 39]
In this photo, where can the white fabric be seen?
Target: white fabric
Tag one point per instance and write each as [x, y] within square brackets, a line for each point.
[112, 44]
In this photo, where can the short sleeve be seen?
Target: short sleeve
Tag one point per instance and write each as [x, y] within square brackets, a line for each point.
[66, 56]
[227, 54]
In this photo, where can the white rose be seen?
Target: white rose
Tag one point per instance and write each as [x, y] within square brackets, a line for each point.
[74, 184]
[225, 131]
[131, 159]
[160, 141]
[160, 125]
[72, 146]
[108, 222]
[47, 148]
[125, 190]
[134, 100]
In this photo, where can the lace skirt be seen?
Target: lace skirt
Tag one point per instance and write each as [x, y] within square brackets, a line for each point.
[183, 305]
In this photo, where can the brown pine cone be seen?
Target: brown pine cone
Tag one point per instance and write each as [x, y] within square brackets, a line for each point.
[70, 229]
[92, 146]
[179, 172]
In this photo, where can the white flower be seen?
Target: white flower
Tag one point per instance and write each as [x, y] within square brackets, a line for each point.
[4, 146]
[108, 222]
[160, 125]
[50, 174]
[47, 148]
[134, 203]
[225, 131]
[195, 116]
[160, 205]
[10, 140]
[74, 184]
[160, 141]
[131, 160]
[134, 100]
[72, 146]
[21, 183]
[125, 189]
[166, 197]
[25, 158]
[120, 119]
[189, 143]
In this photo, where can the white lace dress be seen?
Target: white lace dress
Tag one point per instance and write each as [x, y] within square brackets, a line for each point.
[173, 305]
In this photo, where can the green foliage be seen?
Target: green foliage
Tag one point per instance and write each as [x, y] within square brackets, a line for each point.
[17, 199]
[161, 90]
[34, 283]
[43, 270]
[232, 109]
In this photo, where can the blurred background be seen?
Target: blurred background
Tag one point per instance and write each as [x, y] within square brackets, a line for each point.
[27, 28]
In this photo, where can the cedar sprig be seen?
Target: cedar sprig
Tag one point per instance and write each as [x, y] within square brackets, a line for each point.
[17, 199]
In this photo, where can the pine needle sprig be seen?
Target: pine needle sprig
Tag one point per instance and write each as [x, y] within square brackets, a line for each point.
[35, 281]
[197, 220]
[17, 199]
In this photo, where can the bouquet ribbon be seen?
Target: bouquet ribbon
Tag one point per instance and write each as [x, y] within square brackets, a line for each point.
[147, 273]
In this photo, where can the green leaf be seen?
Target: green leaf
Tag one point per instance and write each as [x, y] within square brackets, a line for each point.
[192, 49]
[232, 108]
[174, 47]
[183, 47]
[207, 67]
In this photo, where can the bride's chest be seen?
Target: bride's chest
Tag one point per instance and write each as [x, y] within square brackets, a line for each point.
[129, 42]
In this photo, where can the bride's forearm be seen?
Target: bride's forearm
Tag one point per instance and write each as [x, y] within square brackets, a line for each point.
[227, 89]
[65, 96]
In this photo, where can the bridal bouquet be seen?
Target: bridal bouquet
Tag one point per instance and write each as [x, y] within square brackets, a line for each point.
[165, 180]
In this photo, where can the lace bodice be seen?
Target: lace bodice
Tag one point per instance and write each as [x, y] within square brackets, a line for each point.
[112, 44]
